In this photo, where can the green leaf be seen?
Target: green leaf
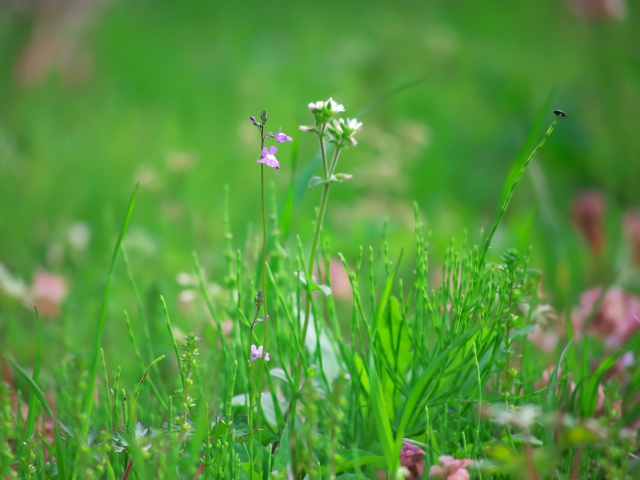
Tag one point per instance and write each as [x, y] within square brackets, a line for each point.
[279, 373]
[381, 419]
[589, 399]
[282, 458]
[323, 288]
[87, 404]
[353, 458]
[550, 402]
[315, 181]
[313, 285]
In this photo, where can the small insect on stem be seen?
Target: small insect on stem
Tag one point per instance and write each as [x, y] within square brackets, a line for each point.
[560, 113]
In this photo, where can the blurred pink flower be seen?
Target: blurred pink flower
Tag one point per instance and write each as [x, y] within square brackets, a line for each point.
[588, 216]
[547, 332]
[412, 458]
[616, 319]
[340, 284]
[47, 293]
[631, 225]
[451, 468]
[600, 9]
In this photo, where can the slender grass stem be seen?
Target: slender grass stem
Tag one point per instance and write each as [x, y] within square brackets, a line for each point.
[516, 180]
[312, 254]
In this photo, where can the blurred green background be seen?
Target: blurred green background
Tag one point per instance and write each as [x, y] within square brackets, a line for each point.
[95, 96]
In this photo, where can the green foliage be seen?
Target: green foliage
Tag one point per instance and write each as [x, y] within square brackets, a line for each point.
[431, 344]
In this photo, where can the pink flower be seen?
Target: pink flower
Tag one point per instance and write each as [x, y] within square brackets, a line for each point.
[280, 137]
[269, 157]
[588, 216]
[616, 319]
[47, 293]
[257, 353]
[451, 468]
[631, 226]
[412, 458]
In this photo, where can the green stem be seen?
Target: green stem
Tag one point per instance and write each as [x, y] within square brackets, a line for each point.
[264, 263]
[312, 255]
[316, 234]
[515, 182]
[323, 149]
[314, 246]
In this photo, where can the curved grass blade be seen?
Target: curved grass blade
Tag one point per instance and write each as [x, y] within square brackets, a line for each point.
[37, 391]
[87, 405]
[510, 186]
[144, 376]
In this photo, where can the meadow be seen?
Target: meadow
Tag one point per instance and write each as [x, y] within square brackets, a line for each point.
[319, 241]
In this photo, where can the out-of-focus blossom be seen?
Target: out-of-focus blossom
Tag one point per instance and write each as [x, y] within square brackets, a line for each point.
[522, 417]
[600, 9]
[546, 334]
[179, 162]
[79, 235]
[340, 284]
[10, 285]
[186, 301]
[616, 319]
[451, 468]
[588, 216]
[47, 293]
[412, 458]
[622, 369]
[632, 232]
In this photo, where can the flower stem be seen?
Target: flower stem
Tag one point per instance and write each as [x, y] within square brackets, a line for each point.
[328, 170]
[323, 150]
[316, 234]
[312, 255]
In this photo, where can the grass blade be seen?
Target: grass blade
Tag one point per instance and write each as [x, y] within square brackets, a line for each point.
[95, 353]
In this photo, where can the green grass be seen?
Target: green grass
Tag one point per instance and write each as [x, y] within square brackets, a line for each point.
[446, 272]
[441, 363]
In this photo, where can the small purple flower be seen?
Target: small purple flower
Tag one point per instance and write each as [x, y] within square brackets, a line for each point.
[257, 353]
[268, 157]
[281, 137]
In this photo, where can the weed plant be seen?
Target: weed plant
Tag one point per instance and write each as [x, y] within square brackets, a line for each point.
[426, 375]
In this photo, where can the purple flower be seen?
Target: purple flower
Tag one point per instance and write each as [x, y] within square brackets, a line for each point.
[268, 157]
[281, 137]
[412, 458]
[257, 353]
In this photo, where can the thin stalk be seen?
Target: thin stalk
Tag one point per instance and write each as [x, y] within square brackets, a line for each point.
[515, 182]
[334, 163]
[264, 262]
[323, 149]
[312, 255]
[328, 171]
